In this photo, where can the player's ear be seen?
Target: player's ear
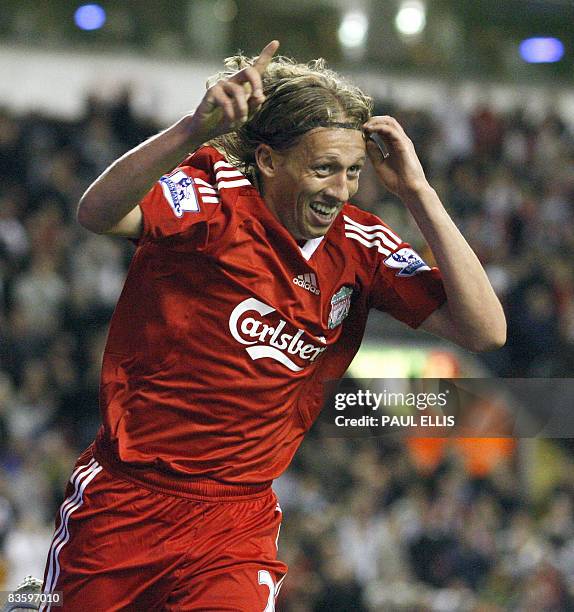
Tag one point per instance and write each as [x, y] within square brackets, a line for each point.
[267, 160]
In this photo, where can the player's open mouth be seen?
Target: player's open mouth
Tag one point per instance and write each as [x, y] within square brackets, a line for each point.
[325, 212]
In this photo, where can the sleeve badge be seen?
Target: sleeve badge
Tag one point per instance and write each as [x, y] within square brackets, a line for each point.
[406, 261]
[178, 190]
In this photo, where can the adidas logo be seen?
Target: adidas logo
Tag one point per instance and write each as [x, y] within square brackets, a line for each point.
[308, 282]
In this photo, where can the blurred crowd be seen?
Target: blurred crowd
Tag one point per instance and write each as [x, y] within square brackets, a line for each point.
[365, 528]
[377, 533]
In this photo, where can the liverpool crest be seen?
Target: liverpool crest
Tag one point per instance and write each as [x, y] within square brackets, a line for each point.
[340, 306]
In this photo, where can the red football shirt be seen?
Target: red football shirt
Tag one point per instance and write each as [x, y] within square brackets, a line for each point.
[226, 327]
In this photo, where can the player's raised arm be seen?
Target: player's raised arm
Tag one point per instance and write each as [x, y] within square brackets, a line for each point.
[109, 205]
[472, 316]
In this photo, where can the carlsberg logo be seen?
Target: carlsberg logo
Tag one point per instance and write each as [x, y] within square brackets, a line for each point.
[267, 341]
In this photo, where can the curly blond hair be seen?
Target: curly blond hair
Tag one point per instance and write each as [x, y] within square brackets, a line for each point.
[298, 98]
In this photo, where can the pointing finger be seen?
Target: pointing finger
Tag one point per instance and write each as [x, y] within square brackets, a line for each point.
[250, 77]
[266, 56]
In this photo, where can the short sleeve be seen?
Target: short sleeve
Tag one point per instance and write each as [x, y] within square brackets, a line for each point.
[183, 206]
[406, 287]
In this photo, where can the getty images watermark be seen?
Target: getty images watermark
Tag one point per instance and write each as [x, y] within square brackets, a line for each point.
[438, 407]
[379, 401]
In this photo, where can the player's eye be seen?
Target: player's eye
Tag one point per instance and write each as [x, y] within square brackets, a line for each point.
[354, 171]
[323, 169]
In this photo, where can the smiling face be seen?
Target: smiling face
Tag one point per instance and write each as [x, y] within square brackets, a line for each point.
[307, 185]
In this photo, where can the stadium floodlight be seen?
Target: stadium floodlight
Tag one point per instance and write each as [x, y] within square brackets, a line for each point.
[90, 17]
[353, 29]
[411, 18]
[541, 50]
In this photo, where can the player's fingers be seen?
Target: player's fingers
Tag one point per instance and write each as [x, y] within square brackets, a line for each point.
[266, 56]
[250, 77]
[238, 96]
[253, 83]
[383, 119]
[387, 126]
[218, 98]
[250, 80]
[388, 134]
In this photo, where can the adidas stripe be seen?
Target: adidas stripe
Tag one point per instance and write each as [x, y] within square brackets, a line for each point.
[369, 244]
[81, 478]
[371, 236]
[222, 164]
[373, 228]
[227, 184]
[199, 181]
[227, 174]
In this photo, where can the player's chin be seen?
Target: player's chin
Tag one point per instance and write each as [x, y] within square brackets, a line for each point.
[316, 230]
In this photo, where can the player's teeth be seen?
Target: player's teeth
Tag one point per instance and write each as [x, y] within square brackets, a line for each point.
[322, 208]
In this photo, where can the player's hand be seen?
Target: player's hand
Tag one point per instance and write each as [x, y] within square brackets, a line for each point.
[228, 104]
[401, 172]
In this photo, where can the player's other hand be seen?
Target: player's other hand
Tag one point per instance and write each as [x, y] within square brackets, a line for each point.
[401, 172]
[228, 104]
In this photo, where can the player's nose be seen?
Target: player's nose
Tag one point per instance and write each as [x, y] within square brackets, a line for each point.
[338, 188]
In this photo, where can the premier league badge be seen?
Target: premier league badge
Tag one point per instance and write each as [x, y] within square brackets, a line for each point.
[407, 262]
[178, 191]
[340, 306]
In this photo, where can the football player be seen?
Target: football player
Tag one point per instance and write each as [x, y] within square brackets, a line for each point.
[250, 287]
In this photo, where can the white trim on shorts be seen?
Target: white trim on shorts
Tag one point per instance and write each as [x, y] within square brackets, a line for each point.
[81, 477]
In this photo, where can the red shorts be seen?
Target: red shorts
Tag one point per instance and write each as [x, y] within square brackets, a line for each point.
[121, 546]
